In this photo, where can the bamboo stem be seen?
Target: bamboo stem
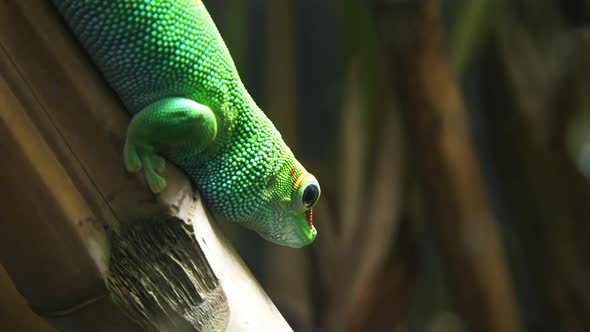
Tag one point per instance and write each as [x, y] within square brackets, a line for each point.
[457, 206]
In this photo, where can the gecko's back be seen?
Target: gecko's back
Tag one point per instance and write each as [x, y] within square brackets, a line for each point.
[153, 49]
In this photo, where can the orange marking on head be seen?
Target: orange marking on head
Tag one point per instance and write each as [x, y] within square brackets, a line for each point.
[292, 171]
[301, 177]
[297, 180]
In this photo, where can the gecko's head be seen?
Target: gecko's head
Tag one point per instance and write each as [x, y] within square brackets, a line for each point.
[286, 216]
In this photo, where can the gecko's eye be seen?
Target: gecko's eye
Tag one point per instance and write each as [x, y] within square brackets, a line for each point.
[311, 194]
[307, 193]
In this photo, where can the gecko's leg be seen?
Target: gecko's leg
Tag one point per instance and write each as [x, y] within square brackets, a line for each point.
[173, 125]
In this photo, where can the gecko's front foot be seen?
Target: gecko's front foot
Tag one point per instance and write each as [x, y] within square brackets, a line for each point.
[179, 124]
[138, 157]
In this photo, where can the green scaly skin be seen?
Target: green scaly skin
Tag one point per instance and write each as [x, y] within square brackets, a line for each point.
[168, 63]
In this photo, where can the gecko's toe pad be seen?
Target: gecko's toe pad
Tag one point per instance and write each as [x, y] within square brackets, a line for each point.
[155, 181]
[137, 158]
[132, 161]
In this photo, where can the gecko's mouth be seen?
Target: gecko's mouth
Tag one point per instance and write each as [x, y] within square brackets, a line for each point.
[311, 232]
[309, 217]
[302, 234]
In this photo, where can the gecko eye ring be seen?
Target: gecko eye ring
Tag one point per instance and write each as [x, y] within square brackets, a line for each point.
[311, 194]
[307, 192]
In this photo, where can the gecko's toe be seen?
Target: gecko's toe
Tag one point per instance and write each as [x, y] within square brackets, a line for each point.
[144, 157]
[152, 165]
[155, 181]
[132, 160]
[158, 163]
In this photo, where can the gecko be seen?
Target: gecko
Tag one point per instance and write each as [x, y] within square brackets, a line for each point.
[169, 65]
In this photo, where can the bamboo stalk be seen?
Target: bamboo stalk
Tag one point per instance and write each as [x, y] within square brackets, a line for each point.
[457, 206]
[15, 313]
[537, 79]
[72, 217]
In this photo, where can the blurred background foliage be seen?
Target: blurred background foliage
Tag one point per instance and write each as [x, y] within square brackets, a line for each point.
[451, 139]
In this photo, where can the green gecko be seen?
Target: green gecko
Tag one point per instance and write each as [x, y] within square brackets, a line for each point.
[171, 68]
